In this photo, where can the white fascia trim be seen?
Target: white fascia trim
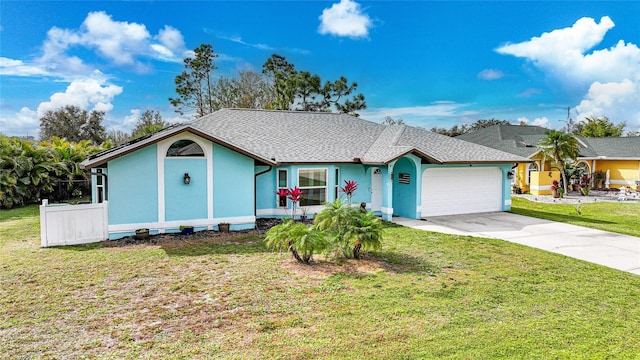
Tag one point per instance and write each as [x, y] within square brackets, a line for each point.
[209, 223]
[541, 187]
[386, 210]
[622, 182]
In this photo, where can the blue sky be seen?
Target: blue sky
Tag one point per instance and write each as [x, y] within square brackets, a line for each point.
[431, 63]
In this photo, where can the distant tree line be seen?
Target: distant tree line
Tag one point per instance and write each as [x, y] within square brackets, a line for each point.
[280, 86]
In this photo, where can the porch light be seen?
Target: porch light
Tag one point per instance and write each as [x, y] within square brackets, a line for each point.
[187, 179]
[510, 174]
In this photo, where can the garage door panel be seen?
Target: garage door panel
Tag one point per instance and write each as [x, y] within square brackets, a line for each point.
[461, 191]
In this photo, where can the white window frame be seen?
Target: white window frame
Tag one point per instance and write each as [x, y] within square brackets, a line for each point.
[529, 170]
[278, 187]
[326, 186]
[337, 183]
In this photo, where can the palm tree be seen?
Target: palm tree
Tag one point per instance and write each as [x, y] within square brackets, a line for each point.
[559, 146]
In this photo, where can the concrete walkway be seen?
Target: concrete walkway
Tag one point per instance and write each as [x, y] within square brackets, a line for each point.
[613, 250]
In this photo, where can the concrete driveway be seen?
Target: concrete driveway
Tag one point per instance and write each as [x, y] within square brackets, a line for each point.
[616, 251]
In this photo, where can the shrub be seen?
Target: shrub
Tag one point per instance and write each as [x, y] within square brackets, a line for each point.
[302, 240]
[349, 229]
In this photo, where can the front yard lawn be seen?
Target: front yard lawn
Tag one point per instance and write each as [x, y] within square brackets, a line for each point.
[619, 217]
[424, 295]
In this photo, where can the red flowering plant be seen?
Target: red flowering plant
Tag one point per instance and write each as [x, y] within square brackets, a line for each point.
[295, 195]
[349, 189]
[555, 185]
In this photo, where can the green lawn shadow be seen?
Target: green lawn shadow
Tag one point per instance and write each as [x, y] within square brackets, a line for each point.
[571, 219]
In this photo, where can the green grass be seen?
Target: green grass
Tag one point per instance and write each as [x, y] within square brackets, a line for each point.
[619, 217]
[423, 296]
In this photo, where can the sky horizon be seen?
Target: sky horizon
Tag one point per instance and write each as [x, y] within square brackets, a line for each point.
[430, 63]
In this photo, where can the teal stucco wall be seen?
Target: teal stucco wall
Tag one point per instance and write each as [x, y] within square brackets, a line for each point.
[133, 187]
[233, 183]
[182, 201]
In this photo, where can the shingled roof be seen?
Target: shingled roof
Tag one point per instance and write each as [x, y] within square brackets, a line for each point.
[523, 140]
[276, 137]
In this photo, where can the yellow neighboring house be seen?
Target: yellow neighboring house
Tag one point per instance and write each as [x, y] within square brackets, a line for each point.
[612, 162]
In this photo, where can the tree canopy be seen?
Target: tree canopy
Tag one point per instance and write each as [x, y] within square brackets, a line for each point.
[149, 122]
[302, 90]
[599, 127]
[194, 84]
[279, 87]
[74, 124]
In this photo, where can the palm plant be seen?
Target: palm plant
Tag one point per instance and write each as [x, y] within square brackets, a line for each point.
[351, 230]
[559, 146]
[302, 240]
[365, 233]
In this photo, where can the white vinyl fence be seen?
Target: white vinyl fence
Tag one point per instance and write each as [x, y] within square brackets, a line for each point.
[64, 224]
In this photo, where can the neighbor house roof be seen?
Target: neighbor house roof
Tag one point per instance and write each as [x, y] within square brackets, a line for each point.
[276, 137]
[522, 140]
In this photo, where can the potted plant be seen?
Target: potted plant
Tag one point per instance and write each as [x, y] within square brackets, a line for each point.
[186, 229]
[554, 188]
[584, 185]
[142, 234]
[224, 227]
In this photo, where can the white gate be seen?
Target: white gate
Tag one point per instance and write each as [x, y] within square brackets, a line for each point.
[73, 224]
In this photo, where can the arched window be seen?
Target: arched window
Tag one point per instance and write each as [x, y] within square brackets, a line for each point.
[185, 148]
[584, 167]
[532, 167]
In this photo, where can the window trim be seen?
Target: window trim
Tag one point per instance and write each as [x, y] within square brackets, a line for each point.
[337, 183]
[326, 186]
[278, 187]
[167, 156]
[529, 170]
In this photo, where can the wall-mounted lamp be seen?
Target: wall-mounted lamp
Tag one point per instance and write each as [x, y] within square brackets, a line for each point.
[187, 178]
[510, 174]
[550, 174]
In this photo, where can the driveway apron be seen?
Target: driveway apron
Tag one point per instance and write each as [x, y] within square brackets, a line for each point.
[621, 252]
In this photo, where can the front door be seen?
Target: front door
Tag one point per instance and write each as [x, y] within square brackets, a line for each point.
[376, 189]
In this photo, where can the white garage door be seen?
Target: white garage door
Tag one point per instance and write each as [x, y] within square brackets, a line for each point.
[461, 191]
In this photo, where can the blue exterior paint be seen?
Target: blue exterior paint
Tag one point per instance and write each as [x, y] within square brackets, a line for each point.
[361, 176]
[233, 183]
[405, 197]
[182, 201]
[266, 183]
[133, 187]
[265, 187]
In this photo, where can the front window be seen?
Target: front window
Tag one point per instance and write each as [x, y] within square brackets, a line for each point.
[283, 183]
[313, 182]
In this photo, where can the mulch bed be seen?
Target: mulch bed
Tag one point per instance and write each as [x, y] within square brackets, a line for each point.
[262, 225]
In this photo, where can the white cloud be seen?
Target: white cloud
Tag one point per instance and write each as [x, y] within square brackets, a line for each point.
[490, 74]
[23, 123]
[19, 68]
[616, 100]
[607, 79]
[122, 43]
[345, 19]
[541, 121]
[90, 94]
